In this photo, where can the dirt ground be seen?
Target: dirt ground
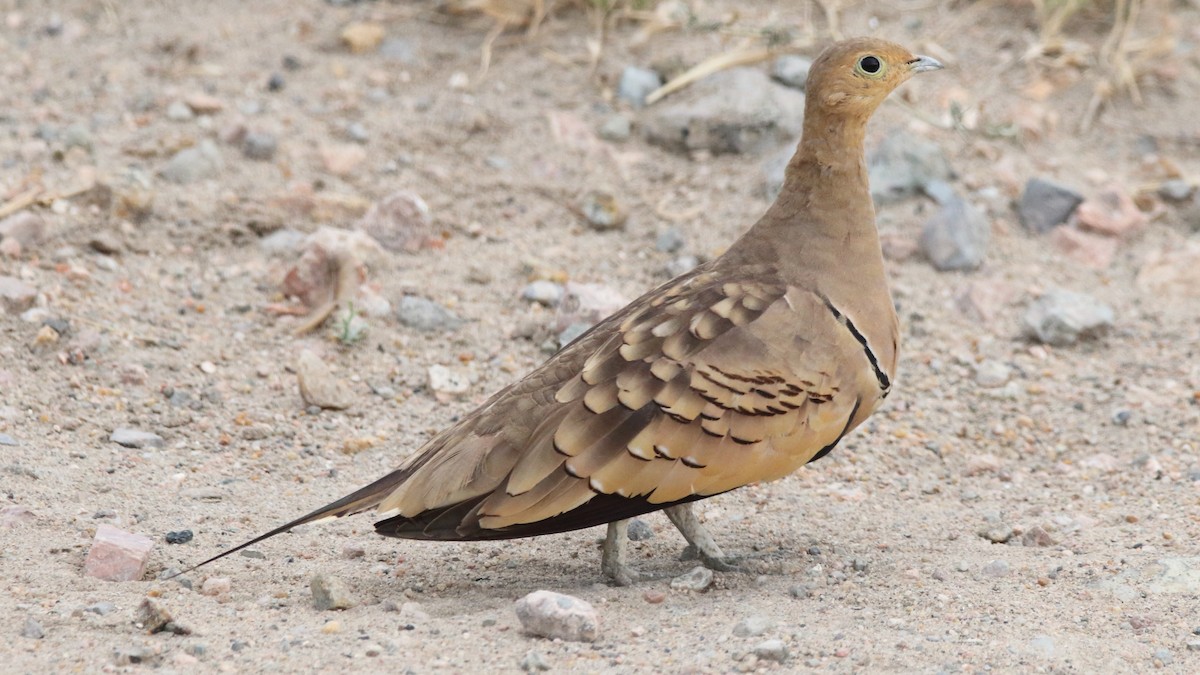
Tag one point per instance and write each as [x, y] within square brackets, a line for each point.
[871, 560]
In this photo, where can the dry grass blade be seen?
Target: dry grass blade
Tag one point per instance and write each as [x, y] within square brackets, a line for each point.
[741, 56]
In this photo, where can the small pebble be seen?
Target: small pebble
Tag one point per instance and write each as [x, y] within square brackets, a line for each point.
[996, 568]
[259, 145]
[670, 240]
[135, 438]
[654, 597]
[753, 626]
[791, 70]
[330, 593]
[558, 616]
[179, 537]
[32, 630]
[603, 211]
[353, 550]
[276, 81]
[699, 579]
[636, 84]
[639, 530]
[425, 315]
[332, 627]
[216, 586]
[616, 128]
[771, 650]
[534, 662]
[543, 292]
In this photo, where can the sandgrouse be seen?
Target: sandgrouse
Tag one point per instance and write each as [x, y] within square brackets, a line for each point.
[742, 370]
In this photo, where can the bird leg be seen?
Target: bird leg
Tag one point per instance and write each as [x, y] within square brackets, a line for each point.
[685, 520]
[612, 563]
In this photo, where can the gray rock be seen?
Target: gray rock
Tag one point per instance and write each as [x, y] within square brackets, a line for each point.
[735, 111]
[28, 228]
[5, 439]
[1176, 190]
[616, 128]
[1164, 656]
[753, 626]
[991, 374]
[957, 236]
[107, 243]
[425, 315]
[358, 133]
[259, 145]
[178, 111]
[330, 593]
[77, 136]
[771, 650]
[681, 265]
[699, 579]
[534, 662]
[997, 534]
[543, 292]
[1175, 575]
[1193, 646]
[1063, 317]
[16, 296]
[399, 50]
[774, 170]
[192, 164]
[102, 608]
[447, 383]
[1044, 205]
[135, 438]
[905, 164]
[154, 618]
[318, 385]
[1043, 646]
[603, 211]
[558, 616]
[670, 240]
[284, 243]
[636, 84]
[134, 655]
[997, 568]
[32, 630]
[574, 330]
[791, 70]
[400, 222]
[587, 303]
[639, 530]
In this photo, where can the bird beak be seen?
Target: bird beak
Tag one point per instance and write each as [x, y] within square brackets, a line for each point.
[924, 63]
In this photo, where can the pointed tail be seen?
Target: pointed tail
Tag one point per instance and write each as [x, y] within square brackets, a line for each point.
[356, 502]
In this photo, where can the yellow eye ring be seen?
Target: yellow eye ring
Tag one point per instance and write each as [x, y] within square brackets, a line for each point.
[871, 66]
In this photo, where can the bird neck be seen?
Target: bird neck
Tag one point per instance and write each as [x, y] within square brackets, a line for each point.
[824, 209]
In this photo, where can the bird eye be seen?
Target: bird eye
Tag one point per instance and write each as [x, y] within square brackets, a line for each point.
[870, 66]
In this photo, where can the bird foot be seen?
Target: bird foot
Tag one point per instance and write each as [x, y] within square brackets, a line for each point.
[716, 563]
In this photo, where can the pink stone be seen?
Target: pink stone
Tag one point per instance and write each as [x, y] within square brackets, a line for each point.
[216, 586]
[117, 555]
[1087, 249]
[15, 516]
[1112, 212]
[342, 159]
[399, 222]
[27, 228]
[16, 296]
[10, 247]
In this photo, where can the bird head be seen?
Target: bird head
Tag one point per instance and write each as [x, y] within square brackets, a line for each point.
[851, 78]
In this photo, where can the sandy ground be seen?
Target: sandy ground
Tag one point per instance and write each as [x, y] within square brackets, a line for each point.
[868, 561]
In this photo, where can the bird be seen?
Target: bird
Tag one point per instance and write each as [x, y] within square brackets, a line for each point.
[740, 371]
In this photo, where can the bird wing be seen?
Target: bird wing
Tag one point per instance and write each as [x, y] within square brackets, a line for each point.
[704, 385]
[710, 382]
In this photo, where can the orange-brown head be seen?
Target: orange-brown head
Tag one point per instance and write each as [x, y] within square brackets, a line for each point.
[851, 78]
